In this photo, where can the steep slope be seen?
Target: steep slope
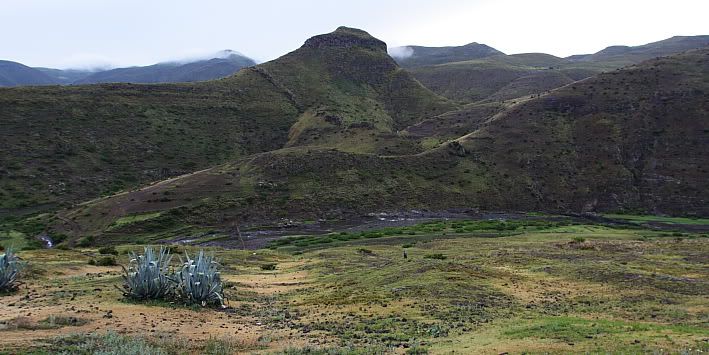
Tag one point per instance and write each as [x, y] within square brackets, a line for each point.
[416, 56]
[67, 144]
[16, 74]
[632, 140]
[201, 70]
[354, 95]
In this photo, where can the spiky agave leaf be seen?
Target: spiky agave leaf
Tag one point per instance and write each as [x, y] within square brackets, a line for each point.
[9, 271]
[147, 275]
[199, 281]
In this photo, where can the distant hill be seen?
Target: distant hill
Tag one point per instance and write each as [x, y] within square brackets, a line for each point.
[201, 70]
[222, 65]
[626, 55]
[416, 56]
[66, 76]
[520, 75]
[501, 77]
[16, 74]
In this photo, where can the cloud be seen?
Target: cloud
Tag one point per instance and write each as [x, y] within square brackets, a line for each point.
[86, 61]
[401, 52]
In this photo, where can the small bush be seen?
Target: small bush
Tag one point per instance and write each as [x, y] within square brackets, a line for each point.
[579, 239]
[364, 251]
[9, 271]
[268, 267]
[103, 261]
[108, 251]
[85, 242]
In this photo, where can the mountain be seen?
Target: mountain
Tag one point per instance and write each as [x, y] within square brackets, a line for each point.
[62, 145]
[502, 77]
[416, 56]
[66, 76]
[633, 140]
[228, 63]
[16, 74]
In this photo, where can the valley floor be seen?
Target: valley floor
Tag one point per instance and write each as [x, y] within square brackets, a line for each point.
[543, 287]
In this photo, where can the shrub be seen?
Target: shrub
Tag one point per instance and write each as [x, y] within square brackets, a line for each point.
[579, 240]
[9, 271]
[103, 261]
[364, 251]
[85, 242]
[268, 267]
[199, 281]
[108, 251]
[147, 275]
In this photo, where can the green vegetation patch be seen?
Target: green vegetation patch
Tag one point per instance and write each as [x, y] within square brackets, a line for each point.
[502, 227]
[123, 221]
[640, 219]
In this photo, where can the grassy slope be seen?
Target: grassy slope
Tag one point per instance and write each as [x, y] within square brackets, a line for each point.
[629, 140]
[63, 144]
[66, 144]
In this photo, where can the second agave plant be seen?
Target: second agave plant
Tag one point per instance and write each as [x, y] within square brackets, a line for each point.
[199, 282]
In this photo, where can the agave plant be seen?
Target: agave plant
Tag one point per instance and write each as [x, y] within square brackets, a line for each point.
[9, 271]
[199, 282]
[147, 275]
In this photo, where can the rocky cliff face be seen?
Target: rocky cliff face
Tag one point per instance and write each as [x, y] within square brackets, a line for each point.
[345, 37]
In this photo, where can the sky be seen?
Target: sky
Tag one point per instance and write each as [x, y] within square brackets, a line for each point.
[116, 33]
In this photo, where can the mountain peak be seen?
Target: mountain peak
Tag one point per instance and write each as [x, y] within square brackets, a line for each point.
[346, 37]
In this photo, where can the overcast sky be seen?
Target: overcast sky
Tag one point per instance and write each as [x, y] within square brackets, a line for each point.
[80, 33]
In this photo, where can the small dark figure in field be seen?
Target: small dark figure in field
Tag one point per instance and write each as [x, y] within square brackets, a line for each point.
[405, 256]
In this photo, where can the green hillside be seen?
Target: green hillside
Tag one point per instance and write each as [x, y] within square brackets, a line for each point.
[61, 145]
[609, 143]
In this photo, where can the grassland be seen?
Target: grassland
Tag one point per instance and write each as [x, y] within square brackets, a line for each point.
[463, 286]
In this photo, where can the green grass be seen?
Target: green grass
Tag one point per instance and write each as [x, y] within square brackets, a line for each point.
[493, 227]
[132, 219]
[639, 219]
